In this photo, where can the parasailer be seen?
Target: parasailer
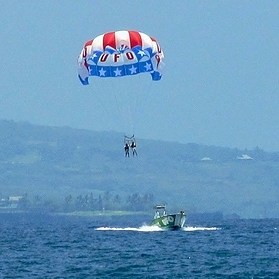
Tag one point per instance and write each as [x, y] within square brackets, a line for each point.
[130, 142]
[118, 54]
[126, 148]
[133, 146]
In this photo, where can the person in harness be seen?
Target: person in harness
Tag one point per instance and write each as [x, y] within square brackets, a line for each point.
[126, 149]
[133, 146]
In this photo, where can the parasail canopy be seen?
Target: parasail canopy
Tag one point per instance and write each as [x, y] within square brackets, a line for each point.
[118, 54]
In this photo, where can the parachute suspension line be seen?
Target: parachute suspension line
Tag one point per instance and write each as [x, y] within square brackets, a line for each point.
[129, 140]
[133, 106]
[135, 110]
[131, 120]
[104, 107]
[125, 106]
[118, 103]
[141, 100]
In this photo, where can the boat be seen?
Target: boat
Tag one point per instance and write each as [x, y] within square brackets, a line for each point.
[163, 220]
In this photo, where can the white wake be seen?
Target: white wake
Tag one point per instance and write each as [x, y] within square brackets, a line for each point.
[155, 229]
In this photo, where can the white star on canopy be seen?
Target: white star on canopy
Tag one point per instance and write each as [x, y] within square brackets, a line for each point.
[147, 66]
[133, 70]
[117, 72]
[102, 72]
[141, 53]
[90, 60]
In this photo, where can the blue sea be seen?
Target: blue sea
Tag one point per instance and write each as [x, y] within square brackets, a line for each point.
[45, 246]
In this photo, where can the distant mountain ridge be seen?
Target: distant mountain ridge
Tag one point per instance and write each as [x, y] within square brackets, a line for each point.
[57, 161]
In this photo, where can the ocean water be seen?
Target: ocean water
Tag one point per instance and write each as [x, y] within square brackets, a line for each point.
[42, 246]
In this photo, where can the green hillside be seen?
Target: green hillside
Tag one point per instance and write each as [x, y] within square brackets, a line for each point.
[58, 164]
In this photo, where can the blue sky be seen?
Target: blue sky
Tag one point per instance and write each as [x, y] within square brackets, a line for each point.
[220, 84]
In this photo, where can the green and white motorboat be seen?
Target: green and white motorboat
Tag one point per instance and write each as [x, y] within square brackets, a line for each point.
[168, 221]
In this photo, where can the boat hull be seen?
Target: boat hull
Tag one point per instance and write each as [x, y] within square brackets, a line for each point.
[170, 221]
